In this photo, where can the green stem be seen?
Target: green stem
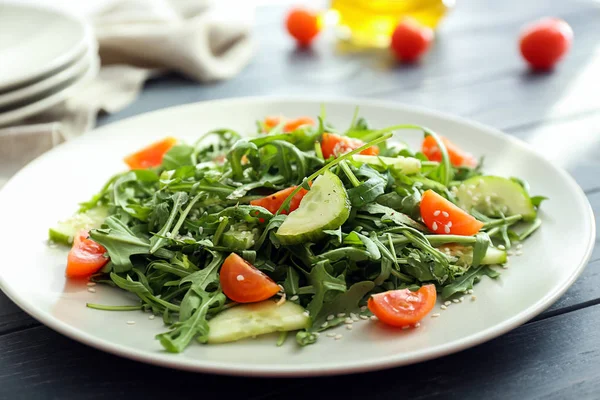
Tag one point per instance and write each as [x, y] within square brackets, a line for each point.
[504, 221]
[112, 308]
[348, 172]
[532, 228]
[437, 239]
[401, 276]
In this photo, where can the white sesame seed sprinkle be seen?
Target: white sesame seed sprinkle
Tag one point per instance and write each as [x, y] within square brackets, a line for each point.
[373, 318]
[435, 315]
[306, 313]
[449, 224]
[349, 327]
[501, 247]
[341, 315]
[443, 307]
[324, 325]
[436, 213]
[91, 290]
[90, 284]
[518, 253]
[418, 324]
[281, 300]
[353, 316]
[240, 278]
[445, 214]
[294, 297]
[470, 193]
[130, 322]
[487, 199]
[330, 317]
[455, 300]
[338, 337]
[470, 291]
[473, 298]
[505, 266]
[348, 320]
[461, 299]
[330, 334]
[447, 303]
[317, 334]
[363, 308]
[510, 253]
[434, 226]
[364, 317]
[519, 246]
[151, 316]
[446, 229]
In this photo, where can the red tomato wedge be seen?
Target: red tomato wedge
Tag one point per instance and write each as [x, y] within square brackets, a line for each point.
[403, 307]
[274, 201]
[290, 125]
[443, 217]
[336, 145]
[150, 156]
[244, 283]
[458, 157]
[85, 257]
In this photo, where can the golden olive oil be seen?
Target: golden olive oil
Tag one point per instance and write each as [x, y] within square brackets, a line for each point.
[370, 23]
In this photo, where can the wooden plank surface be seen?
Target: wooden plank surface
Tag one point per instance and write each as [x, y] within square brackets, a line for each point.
[474, 70]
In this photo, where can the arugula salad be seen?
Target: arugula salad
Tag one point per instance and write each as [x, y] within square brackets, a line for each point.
[298, 228]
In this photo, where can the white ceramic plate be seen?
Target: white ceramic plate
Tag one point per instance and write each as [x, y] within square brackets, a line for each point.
[51, 84]
[32, 274]
[35, 41]
[62, 92]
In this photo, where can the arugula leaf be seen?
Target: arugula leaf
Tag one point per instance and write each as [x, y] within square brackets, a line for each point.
[466, 281]
[396, 217]
[346, 302]
[325, 286]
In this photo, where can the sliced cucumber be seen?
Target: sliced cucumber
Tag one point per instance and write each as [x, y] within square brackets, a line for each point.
[239, 237]
[65, 230]
[325, 206]
[494, 196]
[464, 254]
[406, 165]
[255, 319]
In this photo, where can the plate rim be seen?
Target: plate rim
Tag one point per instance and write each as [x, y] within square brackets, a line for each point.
[323, 369]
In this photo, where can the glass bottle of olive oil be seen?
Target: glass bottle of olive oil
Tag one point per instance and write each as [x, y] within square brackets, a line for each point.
[370, 23]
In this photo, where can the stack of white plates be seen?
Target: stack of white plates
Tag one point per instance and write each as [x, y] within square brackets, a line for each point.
[45, 57]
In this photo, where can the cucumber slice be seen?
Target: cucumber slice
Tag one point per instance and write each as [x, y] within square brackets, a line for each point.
[325, 206]
[493, 255]
[406, 165]
[239, 238]
[493, 195]
[65, 230]
[255, 319]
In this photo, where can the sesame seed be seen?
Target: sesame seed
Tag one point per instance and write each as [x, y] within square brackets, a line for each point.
[348, 321]
[151, 316]
[324, 325]
[436, 213]
[338, 337]
[317, 334]
[446, 229]
[445, 214]
[281, 300]
[364, 317]
[363, 308]
[519, 253]
[90, 284]
[519, 246]
[447, 303]
[349, 327]
[91, 290]
[373, 318]
[418, 324]
[354, 316]
[471, 187]
[341, 315]
[505, 266]
[470, 291]
[487, 199]
[405, 327]
[470, 193]
[501, 247]
[330, 317]
[435, 315]
[240, 278]
[331, 334]
[510, 253]
[130, 322]
[462, 298]
[294, 297]
[455, 300]
[449, 224]
[473, 298]
[306, 313]
[434, 226]
[443, 307]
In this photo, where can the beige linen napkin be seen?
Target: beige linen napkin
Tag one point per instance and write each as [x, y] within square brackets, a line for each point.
[201, 39]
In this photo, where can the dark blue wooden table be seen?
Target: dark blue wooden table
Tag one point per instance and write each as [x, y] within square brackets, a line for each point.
[474, 70]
